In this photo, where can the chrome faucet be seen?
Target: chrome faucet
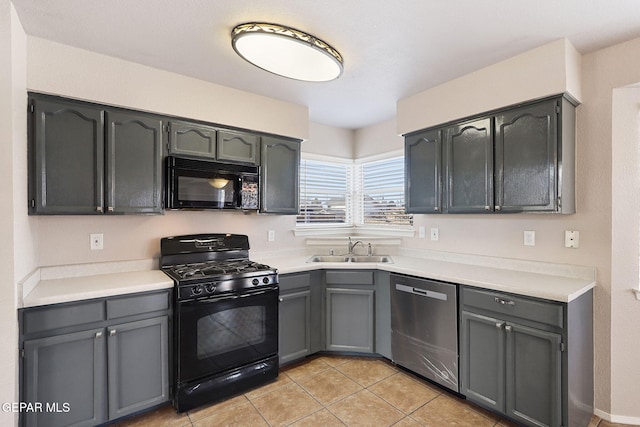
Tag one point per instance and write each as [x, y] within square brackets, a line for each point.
[353, 245]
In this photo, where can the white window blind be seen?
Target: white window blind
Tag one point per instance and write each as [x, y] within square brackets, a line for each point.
[325, 189]
[382, 190]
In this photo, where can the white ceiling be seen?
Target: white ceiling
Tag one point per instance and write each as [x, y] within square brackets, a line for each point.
[392, 49]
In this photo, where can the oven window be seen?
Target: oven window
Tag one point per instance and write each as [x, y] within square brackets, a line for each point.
[218, 190]
[230, 330]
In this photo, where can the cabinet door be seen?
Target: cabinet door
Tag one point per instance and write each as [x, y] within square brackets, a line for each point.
[469, 166]
[68, 372]
[280, 181]
[66, 143]
[482, 360]
[134, 159]
[423, 172]
[294, 326]
[527, 158]
[238, 147]
[350, 318]
[138, 365]
[191, 139]
[534, 376]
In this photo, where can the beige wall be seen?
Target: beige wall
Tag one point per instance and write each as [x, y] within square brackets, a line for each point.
[328, 140]
[16, 252]
[377, 139]
[547, 70]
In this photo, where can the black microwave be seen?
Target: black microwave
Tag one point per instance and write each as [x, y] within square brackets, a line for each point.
[204, 184]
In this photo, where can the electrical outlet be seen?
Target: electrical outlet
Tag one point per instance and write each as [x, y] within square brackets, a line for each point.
[529, 238]
[435, 234]
[571, 239]
[96, 242]
[271, 235]
[421, 232]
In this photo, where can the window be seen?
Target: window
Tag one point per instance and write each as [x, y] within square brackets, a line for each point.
[383, 193]
[367, 194]
[325, 189]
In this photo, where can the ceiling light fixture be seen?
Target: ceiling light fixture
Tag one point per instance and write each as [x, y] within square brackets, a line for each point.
[287, 52]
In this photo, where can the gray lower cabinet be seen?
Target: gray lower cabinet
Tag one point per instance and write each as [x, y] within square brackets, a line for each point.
[87, 159]
[524, 357]
[279, 183]
[94, 361]
[192, 139]
[350, 315]
[299, 316]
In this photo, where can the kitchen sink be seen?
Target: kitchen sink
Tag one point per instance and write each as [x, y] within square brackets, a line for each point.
[351, 258]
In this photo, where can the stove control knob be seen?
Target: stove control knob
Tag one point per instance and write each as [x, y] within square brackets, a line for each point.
[255, 282]
[197, 290]
[265, 280]
[210, 288]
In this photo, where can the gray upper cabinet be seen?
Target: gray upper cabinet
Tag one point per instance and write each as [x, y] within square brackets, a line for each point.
[192, 139]
[279, 183]
[530, 155]
[133, 163]
[66, 147]
[469, 166]
[238, 147]
[84, 159]
[423, 169]
[517, 159]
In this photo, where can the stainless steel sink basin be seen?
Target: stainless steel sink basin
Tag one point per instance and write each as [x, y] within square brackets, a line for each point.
[350, 258]
[371, 258]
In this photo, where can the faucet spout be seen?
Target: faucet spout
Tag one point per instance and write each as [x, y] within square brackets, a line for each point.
[353, 245]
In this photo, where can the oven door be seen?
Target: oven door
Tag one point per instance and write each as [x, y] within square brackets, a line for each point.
[226, 332]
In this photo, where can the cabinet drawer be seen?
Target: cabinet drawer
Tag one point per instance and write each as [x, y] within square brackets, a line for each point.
[345, 277]
[137, 304]
[61, 316]
[294, 281]
[522, 307]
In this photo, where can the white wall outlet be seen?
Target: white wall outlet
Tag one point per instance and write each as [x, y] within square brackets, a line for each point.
[271, 235]
[421, 232]
[435, 234]
[571, 239]
[529, 238]
[96, 242]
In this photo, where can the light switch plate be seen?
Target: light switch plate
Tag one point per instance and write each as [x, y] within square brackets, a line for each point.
[96, 242]
[271, 236]
[529, 238]
[435, 234]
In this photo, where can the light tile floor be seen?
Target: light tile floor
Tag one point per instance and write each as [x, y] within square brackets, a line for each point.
[336, 391]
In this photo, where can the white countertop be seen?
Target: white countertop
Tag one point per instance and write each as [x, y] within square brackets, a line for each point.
[557, 282]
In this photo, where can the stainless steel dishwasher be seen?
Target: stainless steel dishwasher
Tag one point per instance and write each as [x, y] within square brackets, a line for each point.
[424, 328]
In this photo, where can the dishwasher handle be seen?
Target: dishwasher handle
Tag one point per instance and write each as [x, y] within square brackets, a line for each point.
[421, 292]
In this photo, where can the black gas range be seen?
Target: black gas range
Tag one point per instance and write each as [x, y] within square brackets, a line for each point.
[225, 315]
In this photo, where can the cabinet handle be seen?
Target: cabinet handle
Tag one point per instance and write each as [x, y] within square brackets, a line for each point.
[504, 301]
[110, 209]
[98, 334]
[498, 208]
[98, 208]
[487, 208]
[280, 299]
[508, 328]
[436, 209]
[499, 325]
[112, 332]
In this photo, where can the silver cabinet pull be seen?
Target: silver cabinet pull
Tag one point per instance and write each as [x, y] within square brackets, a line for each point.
[499, 325]
[487, 208]
[98, 208]
[436, 209]
[98, 334]
[112, 332]
[498, 208]
[280, 299]
[110, 209]
[508, 328]
[504, 301]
